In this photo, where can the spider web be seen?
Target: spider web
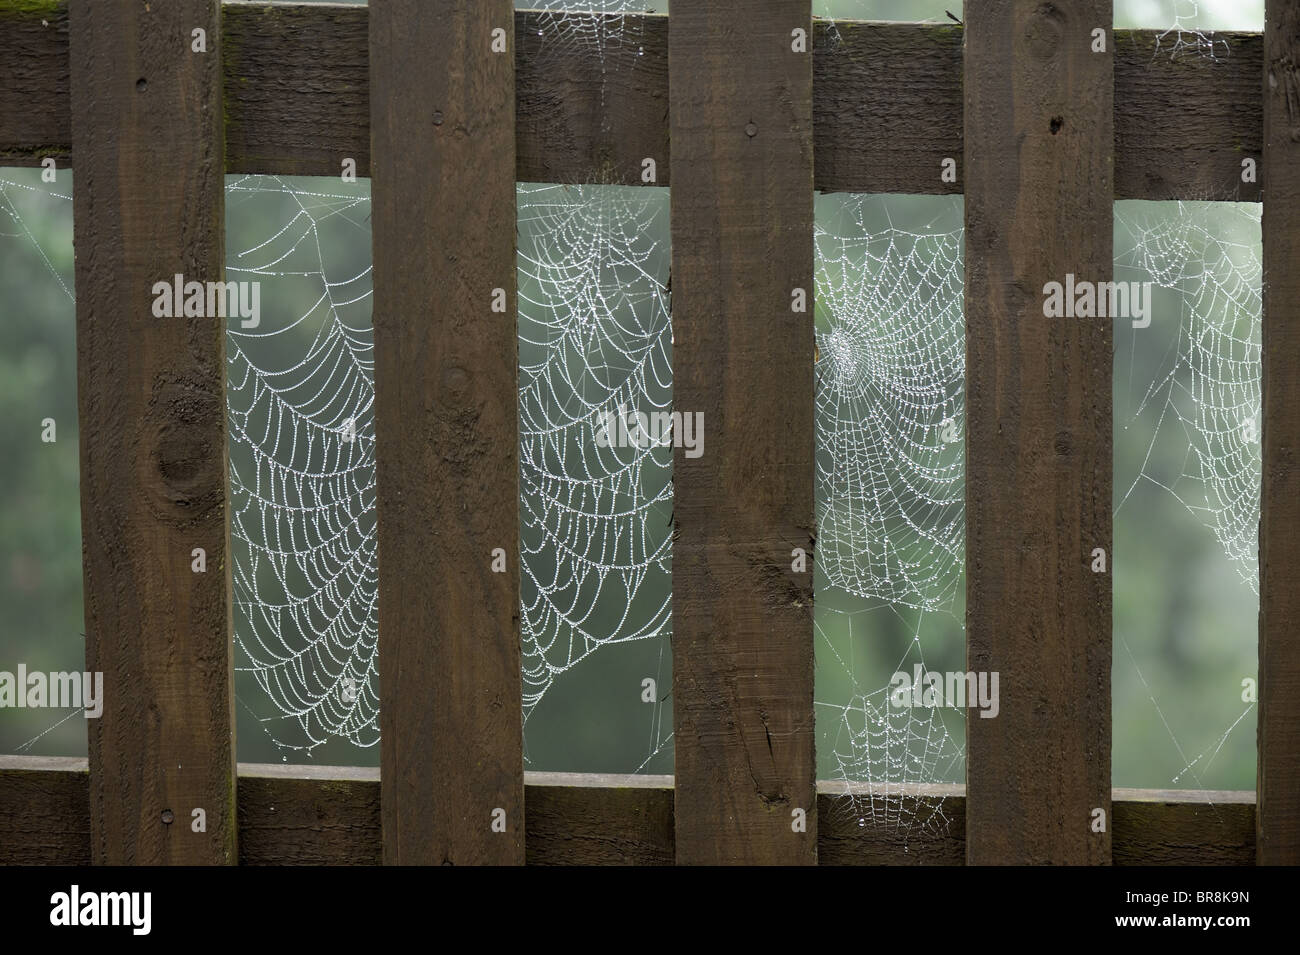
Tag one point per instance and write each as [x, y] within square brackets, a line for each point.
[890, 485]
[1211, 390]
[300, 399]
[595, 338]
[1195, 417]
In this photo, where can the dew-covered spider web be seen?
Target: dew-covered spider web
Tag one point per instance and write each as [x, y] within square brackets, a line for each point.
[40, 513]
[595, 522]
[890, 484]
[1187, 495]
[890, 549]
[300, 395]
[595, 532]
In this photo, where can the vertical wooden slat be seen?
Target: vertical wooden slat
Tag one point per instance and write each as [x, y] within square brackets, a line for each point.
[1038, 174]
[1278, 819]
[742, 214]
[148, 204]
[443, 164]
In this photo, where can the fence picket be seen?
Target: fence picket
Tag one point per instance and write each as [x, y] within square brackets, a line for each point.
[442, 128]
[1039, 151]
[149, 205]
[1278, 783]
[742, 218]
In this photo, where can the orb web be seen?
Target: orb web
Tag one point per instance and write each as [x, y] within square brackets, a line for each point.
[595, 339]
[890, 490]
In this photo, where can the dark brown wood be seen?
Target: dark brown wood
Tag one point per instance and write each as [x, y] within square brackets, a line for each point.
[44, 811]
[309, 815]
[315, 56]
[599, 820]
[149, 205]
[1278, 781]
[1183, 827]
[592, 97]
[447, 431]
[1165, 151]
[886, 100]
[887, 106]
[742, 218]
[329, 815]
[852, 827]
[34, 101]
[1038, 158]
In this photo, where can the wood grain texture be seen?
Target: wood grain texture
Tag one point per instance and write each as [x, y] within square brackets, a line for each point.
[148, 205]
[309, 815]
[886, 100]
[599, 820]
[1183, 827]
[329, 815]
[1039, 147]
[1278, 781]
[1168, 148]
[34, 85]
[443, 188]
[742, 218]
[297, 88]
[887, 106]
[592, 97]
[44, 811]
[865, 825]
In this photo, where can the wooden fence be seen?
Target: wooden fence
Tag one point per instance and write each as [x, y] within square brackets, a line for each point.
[1048, 134]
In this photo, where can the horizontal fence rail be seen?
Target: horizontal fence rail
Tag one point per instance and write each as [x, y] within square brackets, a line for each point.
[887, 103]
[327, 815]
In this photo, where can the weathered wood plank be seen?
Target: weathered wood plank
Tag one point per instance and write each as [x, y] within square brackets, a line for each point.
[315, 57]
[742, 219]
[1278, 781]
[35, 119]
[443, 189]
[1038, 158]
[887, 106]
[599, 820]
[44, 811]
[1168, 148]
[297, 102]
[1183, 827]
[329, 815]
[858, 825]
[149, 205]
[592, 97]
